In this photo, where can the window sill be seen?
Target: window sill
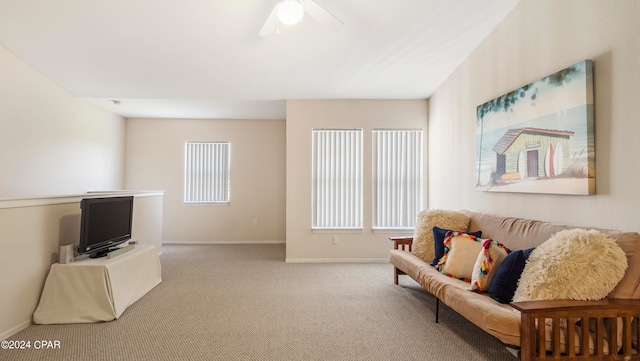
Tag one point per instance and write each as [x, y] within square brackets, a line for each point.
[204, 204]
[336, 230]
[397, 231]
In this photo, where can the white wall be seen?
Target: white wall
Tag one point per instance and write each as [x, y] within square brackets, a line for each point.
[536, 39]
[50, 142]
[155, 160]
[302, 117]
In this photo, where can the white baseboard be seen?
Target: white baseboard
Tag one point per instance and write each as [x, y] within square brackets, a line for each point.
[225, 242]
[6, 334]
[336, 260]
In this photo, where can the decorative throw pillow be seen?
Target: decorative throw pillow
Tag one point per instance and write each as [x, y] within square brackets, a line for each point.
[423, 233]
[439, 236]
[460, 254]
[574, 264]
[487, 263]
[505, 281]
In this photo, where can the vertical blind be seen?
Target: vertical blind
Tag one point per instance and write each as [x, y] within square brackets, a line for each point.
[397, 178]
[206, 175]
[337, 179]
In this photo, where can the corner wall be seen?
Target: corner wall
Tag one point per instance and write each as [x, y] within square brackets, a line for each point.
[536, 39]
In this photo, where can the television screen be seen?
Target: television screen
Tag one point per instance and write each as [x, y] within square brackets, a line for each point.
[104, 223]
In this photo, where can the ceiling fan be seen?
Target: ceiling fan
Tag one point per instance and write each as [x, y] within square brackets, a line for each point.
[291, 12]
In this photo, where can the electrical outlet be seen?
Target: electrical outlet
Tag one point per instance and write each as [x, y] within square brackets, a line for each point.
[255, 223]
[336, 240]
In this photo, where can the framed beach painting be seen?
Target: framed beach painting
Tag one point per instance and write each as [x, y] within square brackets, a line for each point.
[539, 138]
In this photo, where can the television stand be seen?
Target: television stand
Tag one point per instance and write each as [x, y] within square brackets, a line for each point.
[99, 289]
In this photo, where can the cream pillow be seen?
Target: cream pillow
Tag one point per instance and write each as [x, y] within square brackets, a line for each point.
[487, 263]
[423, 233]
[460, 255]
[574, 264]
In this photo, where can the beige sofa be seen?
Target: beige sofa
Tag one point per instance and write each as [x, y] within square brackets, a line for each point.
[506, 321]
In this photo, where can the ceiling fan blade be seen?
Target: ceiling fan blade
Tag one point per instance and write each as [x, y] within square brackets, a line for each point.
[271, 24]
[322, 15]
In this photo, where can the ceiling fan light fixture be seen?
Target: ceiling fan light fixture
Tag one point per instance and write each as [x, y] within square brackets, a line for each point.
[290, 12]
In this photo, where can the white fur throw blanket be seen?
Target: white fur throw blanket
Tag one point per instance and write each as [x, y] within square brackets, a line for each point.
[423, 233]
[574, 264]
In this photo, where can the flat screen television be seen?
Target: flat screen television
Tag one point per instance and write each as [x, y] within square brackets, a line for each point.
[104, 224]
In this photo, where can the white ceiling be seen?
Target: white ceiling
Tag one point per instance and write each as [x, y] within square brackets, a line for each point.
[204, 58]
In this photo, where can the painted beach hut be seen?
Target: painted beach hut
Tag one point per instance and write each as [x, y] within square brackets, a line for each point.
[532, 152]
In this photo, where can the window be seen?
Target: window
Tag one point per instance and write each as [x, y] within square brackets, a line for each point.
[206, 172]
[397, 178]
[337, 179]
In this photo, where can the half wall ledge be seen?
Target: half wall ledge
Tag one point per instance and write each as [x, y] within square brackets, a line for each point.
[72, 198]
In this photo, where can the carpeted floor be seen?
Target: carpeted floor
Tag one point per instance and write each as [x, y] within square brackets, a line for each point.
[243, 302]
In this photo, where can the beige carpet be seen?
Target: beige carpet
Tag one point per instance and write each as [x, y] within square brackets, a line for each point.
[243, 302]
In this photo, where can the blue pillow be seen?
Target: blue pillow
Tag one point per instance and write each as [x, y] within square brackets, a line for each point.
[505, 281]
[439, 236]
